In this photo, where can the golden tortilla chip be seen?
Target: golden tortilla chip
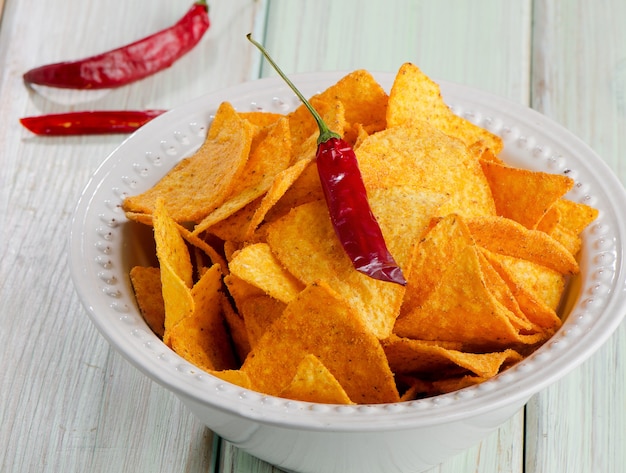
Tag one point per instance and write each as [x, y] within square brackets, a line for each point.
[535, 309]
[237, 330]
[257, 265]
[170, 245]
[318, 322]
[146, 283]
[450, 299]
[237, 377]
[419, 156]
[505, 236]
[314, 383]
[575, 216]
[423, 357]
[281, 183]
[414, 95]
[523, 195]
[266, 160]
[543, 284]
[261, 119]
[201, 338]
[320, 255]
[199, 184]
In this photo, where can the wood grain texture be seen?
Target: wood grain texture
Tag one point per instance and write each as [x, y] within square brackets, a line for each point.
[69, 403]
[579, 424]
[482, 44]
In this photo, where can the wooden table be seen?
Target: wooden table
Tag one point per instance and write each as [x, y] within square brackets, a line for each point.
[69, 403]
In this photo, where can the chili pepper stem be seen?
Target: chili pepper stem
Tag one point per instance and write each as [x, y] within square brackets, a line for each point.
[325, 132]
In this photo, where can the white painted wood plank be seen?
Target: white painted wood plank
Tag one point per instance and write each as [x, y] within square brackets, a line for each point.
[67, 401]
[579, 424]
[483, 44]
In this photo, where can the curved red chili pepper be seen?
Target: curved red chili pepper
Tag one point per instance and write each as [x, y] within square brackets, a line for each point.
[350, 213]
[346, 198]
[128, 63]
[89, 123]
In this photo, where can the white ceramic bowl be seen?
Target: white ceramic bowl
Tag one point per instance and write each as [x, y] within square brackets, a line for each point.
[306, 437]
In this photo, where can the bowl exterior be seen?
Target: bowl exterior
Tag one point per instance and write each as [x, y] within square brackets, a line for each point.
[403, 450]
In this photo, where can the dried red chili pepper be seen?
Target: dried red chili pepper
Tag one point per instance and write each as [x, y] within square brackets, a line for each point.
[89, 123]
[346, 198]
[128, 63]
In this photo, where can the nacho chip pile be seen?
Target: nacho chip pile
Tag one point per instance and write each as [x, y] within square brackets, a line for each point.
[253, 286]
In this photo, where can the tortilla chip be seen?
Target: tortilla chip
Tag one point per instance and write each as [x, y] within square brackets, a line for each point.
[199, 184]
[261, 119]
[201, 338]
[237, 377]
[523, 195]
[575, 216]
[314, 383]
[146, 283]
[257, 265]
[319, 322]
[423, 357]
[414, 95]
[419, 156]
[527, 296]
[266, 160]
[541, 283]
[449, 297]
[507, 237]
[170, 245]
[321, 256]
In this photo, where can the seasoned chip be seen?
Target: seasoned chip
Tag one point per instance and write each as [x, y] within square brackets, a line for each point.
[147, 288]
[266, 160]
[540, 282]
[199, 184]
[523, 195]
[237, 329]
[419, 156]
[314, 383]
[261, 119]
[201, 338]
[414, 95]
[424, 357]
[575, 216]
[170, 245]
[259, 313]
[237, 377]
[257, 265]
[452, 301]
[321, 256]
[320, 323]
[526, 291]
[507, 237]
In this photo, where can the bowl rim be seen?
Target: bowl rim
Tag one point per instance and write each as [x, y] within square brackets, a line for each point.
[604, 256]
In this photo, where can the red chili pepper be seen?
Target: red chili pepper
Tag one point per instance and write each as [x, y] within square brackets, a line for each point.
[346, 198]
[89, 123]
[129, 63]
